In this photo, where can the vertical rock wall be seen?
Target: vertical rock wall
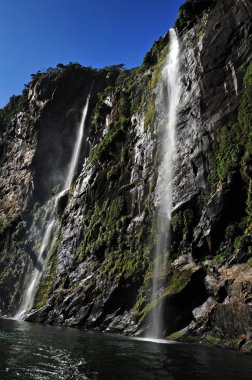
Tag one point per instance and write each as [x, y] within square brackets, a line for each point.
[99, 273]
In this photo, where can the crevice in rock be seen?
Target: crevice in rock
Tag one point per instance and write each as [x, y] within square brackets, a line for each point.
[178, 307]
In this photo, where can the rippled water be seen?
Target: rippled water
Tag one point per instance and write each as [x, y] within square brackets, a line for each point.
[33, 351]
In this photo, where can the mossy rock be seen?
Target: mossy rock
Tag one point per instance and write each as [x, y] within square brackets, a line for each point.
[176, 281]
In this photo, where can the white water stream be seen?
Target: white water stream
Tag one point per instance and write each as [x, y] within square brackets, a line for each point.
[31, 290]
[167, 104]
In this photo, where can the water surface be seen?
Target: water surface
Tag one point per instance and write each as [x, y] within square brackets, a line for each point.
[33, 351]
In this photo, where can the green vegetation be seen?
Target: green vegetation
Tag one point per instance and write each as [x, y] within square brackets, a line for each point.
[176, 335]
[106, 149]
[182, 224]
[233, 146]
[116, 245]
[153, 56]
[54, 73]
[245, 120]
[249, 262]
[101, 228]
[105, 233]
[122, 251]
[222, 342]
[157, 68]
[176, 282]
[133, 93]
[160, 50]
[15, 105]
[233, 153]
[7, 225]
[227, 152]
[220, 258]
[105, 236]
[191, 11]
[12, 266]
[149, 115]
[46, 282]
[19, 103]
[247, 348]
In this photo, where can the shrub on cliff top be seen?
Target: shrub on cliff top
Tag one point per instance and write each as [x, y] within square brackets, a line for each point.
[191, 11]
[152, 56]
[15, 105]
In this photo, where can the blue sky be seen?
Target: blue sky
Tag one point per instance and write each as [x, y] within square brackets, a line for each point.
[37, 34]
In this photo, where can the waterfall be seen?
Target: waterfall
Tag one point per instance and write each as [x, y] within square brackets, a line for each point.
[166, 106]
[31, 290]
[77, 148]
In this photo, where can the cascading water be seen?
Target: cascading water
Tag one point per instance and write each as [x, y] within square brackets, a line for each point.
[166, 105]
[30, 293]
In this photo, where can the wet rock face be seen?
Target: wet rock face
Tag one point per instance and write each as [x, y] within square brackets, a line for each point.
[62, 104]
[180, 306]
[227, 312]
[214, 56]
[224, 321]
[99, 270]
[225, 206]
[38, 144]
[92, 298]
[223, 66]
[36, 147]
[15, 171]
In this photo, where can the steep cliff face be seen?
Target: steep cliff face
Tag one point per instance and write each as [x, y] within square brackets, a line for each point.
[38, 133]
[99, 272]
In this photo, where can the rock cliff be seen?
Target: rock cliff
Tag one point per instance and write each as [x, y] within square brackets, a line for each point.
[99, 272]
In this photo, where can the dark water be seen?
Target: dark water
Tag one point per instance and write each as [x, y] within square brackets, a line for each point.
[32, 351]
